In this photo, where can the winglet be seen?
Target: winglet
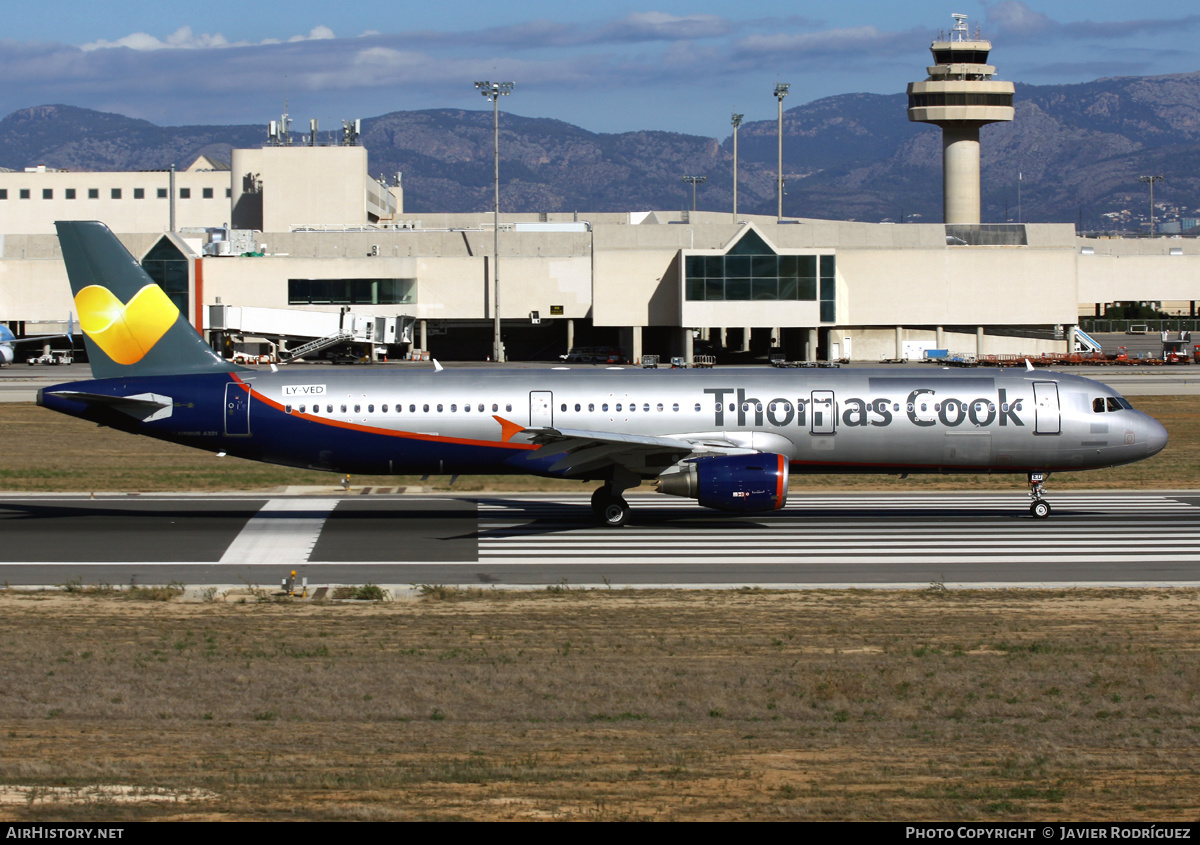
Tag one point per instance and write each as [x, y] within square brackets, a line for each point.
[1028, 366]
[437, 368]
[508, 430]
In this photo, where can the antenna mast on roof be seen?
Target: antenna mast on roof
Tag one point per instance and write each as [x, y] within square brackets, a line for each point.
[960, 31]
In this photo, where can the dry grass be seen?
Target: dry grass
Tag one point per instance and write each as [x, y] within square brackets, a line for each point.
[64, 454]
[562, 704]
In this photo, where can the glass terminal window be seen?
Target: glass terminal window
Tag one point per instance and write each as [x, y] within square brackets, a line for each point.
[167, 266]
[751, 271]
[352, 291]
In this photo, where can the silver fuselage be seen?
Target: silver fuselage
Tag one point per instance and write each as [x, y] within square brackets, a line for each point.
[893, 420]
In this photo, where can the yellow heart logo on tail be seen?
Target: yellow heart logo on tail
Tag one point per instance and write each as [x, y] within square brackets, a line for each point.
[126, 332]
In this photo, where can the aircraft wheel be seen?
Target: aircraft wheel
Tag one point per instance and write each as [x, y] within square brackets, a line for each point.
[616, 512]
[1040, 509]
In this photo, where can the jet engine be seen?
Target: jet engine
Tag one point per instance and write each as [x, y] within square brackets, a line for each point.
[6, 355]
[740, 483]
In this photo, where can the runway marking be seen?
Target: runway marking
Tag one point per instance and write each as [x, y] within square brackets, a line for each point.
[798, 505]
[283, 531]
[1140, 538]
[1101, 529]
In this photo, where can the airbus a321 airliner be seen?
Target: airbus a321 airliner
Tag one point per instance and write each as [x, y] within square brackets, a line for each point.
[728, 438]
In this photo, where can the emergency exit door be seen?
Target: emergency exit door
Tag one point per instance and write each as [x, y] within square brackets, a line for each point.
[1047, 418]
[541, 409]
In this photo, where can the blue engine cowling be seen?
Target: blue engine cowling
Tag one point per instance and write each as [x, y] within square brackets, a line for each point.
[740, 483]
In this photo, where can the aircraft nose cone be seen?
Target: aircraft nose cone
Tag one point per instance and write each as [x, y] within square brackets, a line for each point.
[1156, 437]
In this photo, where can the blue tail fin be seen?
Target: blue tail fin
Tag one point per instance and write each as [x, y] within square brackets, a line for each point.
[130, 326]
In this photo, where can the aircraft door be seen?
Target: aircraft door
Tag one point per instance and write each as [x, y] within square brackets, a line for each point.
[541, 409]
[822, 413]
[1047, 419]
[237, 410]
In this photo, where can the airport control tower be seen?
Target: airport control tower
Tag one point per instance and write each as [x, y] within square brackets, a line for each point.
[960, 96]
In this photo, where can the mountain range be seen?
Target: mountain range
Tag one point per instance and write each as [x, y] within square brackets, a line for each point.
[1073, 154]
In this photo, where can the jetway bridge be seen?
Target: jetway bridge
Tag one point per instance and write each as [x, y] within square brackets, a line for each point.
[297, 334]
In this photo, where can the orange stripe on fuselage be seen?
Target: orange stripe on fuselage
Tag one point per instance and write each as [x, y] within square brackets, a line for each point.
[387, 432]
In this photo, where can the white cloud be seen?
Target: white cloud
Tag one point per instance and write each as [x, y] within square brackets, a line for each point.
[318, 33]
[1012, 17]
[829, 41]
[654, 26]
[185, 39]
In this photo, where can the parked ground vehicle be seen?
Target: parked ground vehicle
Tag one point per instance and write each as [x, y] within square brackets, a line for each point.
[593, 355]
[58, 356]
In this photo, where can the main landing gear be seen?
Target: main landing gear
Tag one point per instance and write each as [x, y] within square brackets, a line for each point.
[1039, 507]
[607, 503]
[609, 507]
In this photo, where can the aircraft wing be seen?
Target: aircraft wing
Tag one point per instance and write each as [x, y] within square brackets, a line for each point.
[35, 339]
[6, 335]
[583, 451]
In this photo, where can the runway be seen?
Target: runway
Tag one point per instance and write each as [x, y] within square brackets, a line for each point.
[893, 540]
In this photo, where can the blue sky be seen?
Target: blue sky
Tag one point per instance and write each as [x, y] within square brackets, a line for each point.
[615, 67]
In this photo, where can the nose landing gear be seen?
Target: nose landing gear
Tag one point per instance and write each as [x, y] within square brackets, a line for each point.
[1039, 508]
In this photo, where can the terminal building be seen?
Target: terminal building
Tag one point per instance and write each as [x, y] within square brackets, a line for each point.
[306, 228]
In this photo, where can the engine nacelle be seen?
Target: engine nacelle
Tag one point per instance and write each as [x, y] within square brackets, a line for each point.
[6, 355]
[741, 483]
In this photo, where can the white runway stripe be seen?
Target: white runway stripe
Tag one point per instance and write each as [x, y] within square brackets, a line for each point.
[283, 532]
[817, 559]
[1109, 529]
[800, 505]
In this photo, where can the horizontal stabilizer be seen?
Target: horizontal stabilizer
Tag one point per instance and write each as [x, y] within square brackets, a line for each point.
[146, 407]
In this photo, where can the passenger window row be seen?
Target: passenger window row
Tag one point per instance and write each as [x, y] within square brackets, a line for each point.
[1099, 405]
[398, 408]
[621, 405]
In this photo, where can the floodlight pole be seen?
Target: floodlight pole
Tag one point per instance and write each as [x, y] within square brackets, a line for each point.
[737, 121]
[693, 181]
[1151, 180]
[781, 90]
[494, 91]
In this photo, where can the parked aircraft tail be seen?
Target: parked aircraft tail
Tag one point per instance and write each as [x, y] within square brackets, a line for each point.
[130, 326]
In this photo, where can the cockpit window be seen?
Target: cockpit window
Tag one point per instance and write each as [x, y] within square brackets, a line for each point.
[1102, 404]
